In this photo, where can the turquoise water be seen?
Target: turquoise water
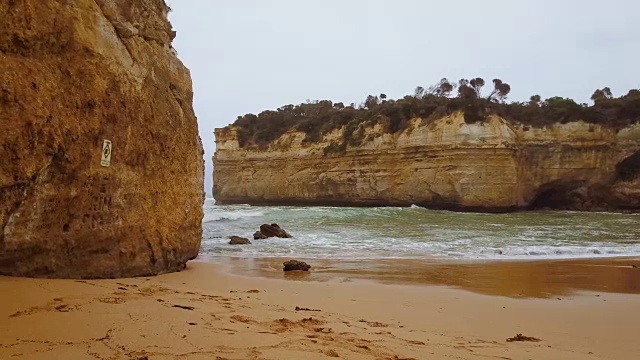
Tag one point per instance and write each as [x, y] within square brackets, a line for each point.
[417, 233]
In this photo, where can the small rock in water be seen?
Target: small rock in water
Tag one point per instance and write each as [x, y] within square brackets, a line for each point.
[258, 235]
[293, 265]
[273, 230]
[237, 240]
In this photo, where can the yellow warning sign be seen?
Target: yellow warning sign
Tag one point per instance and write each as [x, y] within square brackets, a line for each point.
[106, 153]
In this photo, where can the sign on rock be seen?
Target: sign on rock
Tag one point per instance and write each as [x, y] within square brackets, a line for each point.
[106, 153]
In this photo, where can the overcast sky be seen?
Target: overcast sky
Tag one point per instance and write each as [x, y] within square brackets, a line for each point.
[247, 56]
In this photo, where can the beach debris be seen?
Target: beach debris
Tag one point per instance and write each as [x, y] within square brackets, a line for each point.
[293, 265]
[273, 230]
[63, 308]
[373, 323]
[184, 307]
[305, 309]
[520, 337]
[237, 240]
[259, 236]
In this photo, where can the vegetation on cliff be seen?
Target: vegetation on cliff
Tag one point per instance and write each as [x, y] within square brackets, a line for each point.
[318, 118]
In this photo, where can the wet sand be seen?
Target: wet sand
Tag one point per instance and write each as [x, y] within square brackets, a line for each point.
[521, 279]
[207, 312]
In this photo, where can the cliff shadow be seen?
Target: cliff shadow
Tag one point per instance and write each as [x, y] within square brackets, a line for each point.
[629, 168]
[559, 195]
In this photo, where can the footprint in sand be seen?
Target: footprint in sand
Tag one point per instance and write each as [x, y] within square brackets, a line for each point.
[243, 319]
[284, 325]
[373, 323]
[154, 290]
[115, 300]
[56, 305]
[331, 353]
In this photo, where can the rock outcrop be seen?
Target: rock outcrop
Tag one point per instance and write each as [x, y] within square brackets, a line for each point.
[273, 230]
[237, 240]
[295, 265]
[102, 171]
[492, 165]
[259, 236]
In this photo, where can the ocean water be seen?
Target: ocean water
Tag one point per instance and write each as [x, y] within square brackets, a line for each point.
[418, 233]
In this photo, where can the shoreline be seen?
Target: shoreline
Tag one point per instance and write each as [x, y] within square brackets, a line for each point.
[402, 204]
[526, 278]
[434, 206]
[204, 312]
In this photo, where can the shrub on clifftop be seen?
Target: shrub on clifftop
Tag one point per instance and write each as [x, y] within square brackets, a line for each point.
[318, 118]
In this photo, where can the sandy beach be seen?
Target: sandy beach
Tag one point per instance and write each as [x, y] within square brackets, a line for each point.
[210, 312]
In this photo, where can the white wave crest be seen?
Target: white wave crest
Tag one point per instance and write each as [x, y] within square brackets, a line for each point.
[218, 215]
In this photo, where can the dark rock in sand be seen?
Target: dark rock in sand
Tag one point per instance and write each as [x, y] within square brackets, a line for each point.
[259, 236]
[273, 230]
[293, 265]
[237, 240]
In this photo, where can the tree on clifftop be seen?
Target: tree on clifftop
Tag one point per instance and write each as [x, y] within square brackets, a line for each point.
[371, 102]
[500, 91]
[441, 89]
[465, 91]
[476, 85]
[600, 95]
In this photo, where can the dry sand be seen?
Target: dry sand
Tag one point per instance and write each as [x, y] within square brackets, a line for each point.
[205, 312]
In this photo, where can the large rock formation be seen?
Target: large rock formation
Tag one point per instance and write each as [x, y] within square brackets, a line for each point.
[74, 74]
[493, 165]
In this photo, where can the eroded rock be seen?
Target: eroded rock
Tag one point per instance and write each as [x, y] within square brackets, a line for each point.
[273, 230]
[72, 77]
[493, 165]
[259, 236]
[237, 240]
[293, 265]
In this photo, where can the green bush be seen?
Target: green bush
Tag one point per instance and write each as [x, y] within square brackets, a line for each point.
[318, 118]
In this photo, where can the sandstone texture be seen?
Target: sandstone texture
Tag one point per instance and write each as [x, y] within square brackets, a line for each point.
[493, 165]
[73, 74]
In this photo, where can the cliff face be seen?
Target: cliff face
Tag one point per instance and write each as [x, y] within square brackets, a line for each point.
[494, 165]
[74, 74]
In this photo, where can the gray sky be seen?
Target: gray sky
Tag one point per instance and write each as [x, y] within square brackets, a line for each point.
[247, 56]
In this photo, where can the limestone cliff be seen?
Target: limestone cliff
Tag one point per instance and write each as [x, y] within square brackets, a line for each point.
[74, 74]
[494, 165]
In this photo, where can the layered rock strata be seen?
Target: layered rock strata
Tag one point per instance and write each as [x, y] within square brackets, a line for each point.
[101, 170]
[494, 165]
